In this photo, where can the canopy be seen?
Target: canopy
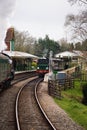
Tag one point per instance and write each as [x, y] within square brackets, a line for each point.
[18, 54]
[66, 54]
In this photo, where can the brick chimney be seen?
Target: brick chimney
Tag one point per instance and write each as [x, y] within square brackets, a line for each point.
[9, 37]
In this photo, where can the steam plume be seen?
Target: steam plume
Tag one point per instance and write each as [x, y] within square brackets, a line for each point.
[6, 10]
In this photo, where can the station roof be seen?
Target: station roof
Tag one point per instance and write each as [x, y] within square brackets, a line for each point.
[66, 54]
[18, 54]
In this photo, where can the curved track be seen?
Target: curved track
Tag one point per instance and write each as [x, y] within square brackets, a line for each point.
[29, 113]
[23, 75]
[7, 105]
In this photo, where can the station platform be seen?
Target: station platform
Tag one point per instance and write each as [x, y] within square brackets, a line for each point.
[26, 71]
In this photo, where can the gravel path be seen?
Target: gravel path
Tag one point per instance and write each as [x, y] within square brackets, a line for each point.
[59, 118]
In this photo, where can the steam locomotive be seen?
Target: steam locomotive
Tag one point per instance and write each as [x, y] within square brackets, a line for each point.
[42, 66]
[6, 71]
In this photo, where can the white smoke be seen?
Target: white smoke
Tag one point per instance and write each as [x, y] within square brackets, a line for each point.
[7, 8]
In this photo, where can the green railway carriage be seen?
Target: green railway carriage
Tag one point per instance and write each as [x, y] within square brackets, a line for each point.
[6, 70]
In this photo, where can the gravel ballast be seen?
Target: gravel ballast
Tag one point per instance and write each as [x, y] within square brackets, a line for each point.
[58, 116]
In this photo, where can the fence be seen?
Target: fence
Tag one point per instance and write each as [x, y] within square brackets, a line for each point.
[56, 86]
[80, 76]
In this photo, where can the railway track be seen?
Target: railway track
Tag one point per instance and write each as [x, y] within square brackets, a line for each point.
[22, 76]
[7, 106]
[29, 113]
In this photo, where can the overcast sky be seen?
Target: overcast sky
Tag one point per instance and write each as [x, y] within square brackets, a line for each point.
[38, 17]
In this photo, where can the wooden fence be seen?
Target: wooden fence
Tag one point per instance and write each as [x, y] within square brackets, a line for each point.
[55, 87]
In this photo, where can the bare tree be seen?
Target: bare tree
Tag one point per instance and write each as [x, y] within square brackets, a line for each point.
[63, 44]
[23, 41]
[77, 24]
[78, 1]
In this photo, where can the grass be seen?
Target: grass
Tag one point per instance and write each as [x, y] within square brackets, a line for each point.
[71, 103]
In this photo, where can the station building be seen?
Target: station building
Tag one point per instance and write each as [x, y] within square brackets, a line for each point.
[21, 60]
